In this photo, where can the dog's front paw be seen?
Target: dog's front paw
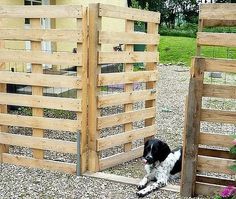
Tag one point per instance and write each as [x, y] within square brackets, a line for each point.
[143, 183]
[142, 193]
[141, 186]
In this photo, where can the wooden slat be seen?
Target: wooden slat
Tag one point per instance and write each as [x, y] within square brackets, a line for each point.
[216, 153]
[192, 129]
[128, 13]
[220, 65]
[215, 180]
[208, 115]
[122, 138]
[128, 38]
[218, 11]
[126, 97]
[221, 91]
[216, 39]
[215, 139]
[39, 57]
[212, 164]
[124, 118]
[127, 57]
[42, 11]
[208, 189]
[43, 80]
[222, 23]
[38, 143]
[40, 122]
[41, 34]
[126, 180]
[41, 101]
[126, 77]
[40, 164]
[120, 158]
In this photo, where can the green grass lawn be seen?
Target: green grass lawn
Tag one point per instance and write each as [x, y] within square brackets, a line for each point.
[177, 50]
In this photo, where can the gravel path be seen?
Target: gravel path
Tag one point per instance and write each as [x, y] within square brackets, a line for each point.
[20, 182]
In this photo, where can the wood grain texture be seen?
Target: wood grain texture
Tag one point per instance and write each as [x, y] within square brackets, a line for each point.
[221, 91]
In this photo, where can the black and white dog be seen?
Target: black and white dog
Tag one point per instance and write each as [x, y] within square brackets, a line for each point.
[160, 164]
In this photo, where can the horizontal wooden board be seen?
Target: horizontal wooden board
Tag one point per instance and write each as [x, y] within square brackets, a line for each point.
[40, 57]
[44, 80]
[120, 158]
[220, 65]
[41, 35]
[127, 117]
[215, 180]
[127, 57]
[128, 38]
[126, 137]
[126, 77]
[68, 104]
[215, 139]
[216, 39]
[40, 122]
[38, 143]
[212, 164]
[208, 189]
[128, 13]
[217, 11]
[127, 180]
[222, 23]
[208, 115]
[218, 153]
[42, 11]
[221, 91]
[125, 98]
[40, 164]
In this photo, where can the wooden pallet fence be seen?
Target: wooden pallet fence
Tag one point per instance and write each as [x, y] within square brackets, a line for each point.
[38, 80]
[128, 57]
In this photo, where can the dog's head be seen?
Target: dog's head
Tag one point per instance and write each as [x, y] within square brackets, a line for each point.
[155, 150]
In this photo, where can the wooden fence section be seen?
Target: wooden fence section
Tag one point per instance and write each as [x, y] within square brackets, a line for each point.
[37, 102]
[127, 96]
[206, 152]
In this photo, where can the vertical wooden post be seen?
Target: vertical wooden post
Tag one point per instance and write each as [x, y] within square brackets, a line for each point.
[129, 26]
[37, 90]
[152, 28]
[192, 128]
[3, 108]
[94, 71]
[83, 73]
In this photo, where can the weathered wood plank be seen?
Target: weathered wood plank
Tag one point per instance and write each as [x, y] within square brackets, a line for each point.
[122, 138]
[126, 77]
[40, 57]
[42, 11]
[216, 153]
[221, 91]
[216, 39]
[38, 143]
[192, 128]
[120, 158]
[128, 13]
[128, 38]
[40, 122]
[68, 104]
[208, 189]
[40, 164]
[222, 23]
[220, 65]
[127, 57]
[215, 180]
[215, 139]
[217, 11]
[213, 164]
[41, 35]
[208, 115]
[126, 97]
[43, 80]
[126, 117]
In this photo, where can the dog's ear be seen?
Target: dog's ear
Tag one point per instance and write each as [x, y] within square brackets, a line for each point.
[162, 151]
